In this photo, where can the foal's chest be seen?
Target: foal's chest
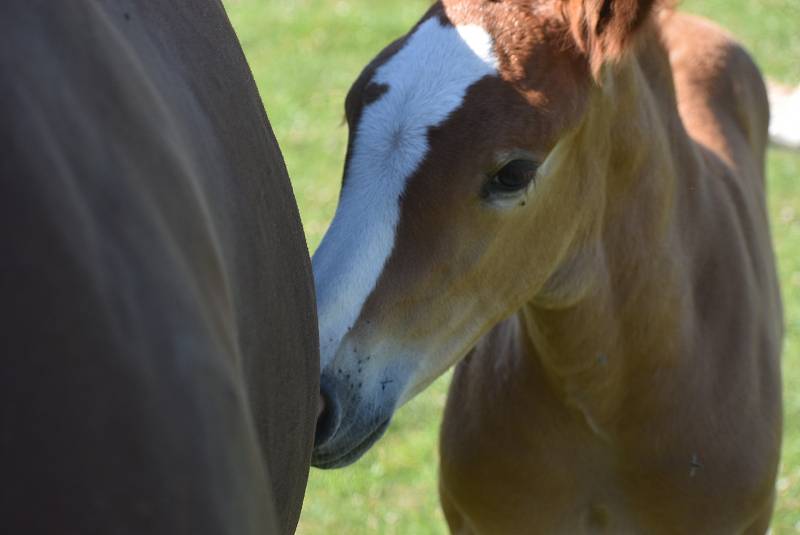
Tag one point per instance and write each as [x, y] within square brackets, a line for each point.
[539, 468]
[573, 490]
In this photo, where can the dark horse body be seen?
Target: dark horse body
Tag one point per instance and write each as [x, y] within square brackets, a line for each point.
[157, 328]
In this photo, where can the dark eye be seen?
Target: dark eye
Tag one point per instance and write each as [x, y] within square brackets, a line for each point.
[514, 176]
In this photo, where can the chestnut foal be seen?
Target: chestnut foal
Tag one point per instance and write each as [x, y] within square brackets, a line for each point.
[570, 194]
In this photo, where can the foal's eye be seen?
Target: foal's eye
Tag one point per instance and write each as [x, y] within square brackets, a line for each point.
[514, 176]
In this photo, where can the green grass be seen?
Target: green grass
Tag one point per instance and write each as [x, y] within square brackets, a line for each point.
[304, 55]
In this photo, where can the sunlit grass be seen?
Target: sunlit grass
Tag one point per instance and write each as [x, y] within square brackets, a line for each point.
[304, 55]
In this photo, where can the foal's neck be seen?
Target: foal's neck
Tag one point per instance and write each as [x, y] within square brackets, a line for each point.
[616, 310]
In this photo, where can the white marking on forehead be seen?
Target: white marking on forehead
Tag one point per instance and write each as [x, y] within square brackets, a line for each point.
[480, 42]
[427, 80]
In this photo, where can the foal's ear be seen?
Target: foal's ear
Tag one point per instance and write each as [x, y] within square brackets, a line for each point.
[604, 29]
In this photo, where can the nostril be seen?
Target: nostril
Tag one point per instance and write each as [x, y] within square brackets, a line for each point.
[328, 418]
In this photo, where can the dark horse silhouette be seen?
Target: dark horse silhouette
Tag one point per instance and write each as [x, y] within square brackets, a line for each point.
[158, 336]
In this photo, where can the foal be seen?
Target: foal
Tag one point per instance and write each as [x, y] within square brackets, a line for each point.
[570, 194]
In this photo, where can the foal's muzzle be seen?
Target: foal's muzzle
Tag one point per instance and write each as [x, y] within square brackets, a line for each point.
[346, 427]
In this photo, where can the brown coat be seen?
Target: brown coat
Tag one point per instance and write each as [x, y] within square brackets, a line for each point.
[588, 214]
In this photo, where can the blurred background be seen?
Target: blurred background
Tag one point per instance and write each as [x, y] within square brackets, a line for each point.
[304, 55]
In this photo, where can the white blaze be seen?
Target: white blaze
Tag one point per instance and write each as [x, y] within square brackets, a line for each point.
[427, 80]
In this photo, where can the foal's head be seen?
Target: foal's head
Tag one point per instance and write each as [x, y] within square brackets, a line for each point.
[468, 183]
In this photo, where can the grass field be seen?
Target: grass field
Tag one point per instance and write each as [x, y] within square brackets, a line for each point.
[305, 54]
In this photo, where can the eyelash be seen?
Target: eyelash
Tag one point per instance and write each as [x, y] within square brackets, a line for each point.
[513, 177]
